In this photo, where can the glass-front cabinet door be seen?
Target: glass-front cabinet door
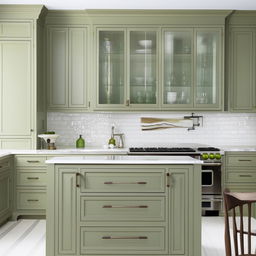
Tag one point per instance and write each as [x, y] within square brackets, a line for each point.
[191, 74]
[142, 67]
[127, 68]
[177, 68]
[111, 67]
[208, 76]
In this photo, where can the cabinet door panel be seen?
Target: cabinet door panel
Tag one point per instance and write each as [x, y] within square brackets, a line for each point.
[143, 66]
[58, 67]
[208, 75]
[179, 211]
[77, 67]
[111, 67]
[15, 86]
[67, 209]
[178, 69]
[242, 69]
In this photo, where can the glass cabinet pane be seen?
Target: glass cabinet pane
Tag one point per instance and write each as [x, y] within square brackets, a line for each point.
[177, 67]
[111, 67]
[207, 64]
[143, 63]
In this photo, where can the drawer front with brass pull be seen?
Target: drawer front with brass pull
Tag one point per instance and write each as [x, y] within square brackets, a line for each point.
[123, 240]
[96, 181]
[29, 199]
[123, 208]
[241, 160]
[31, 179]
[30, 161]
[242, 176]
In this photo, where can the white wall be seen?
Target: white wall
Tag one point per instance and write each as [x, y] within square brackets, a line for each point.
[219, 129]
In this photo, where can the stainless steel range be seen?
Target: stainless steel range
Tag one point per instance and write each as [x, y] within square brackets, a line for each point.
[211, 171]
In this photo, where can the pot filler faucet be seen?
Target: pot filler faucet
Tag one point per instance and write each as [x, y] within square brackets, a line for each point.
[120, 136]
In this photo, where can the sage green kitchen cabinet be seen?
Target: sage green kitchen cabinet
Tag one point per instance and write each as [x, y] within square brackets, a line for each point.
[6, 188]
[241, 60]
[30, 186]
[192, 73]
[22, 115]
[67, 68]
[15, 77]
[242, 64]
[127, 68]
[240, 172]
[150, 209]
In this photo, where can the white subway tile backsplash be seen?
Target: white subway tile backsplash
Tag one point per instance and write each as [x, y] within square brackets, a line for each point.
[219, 129]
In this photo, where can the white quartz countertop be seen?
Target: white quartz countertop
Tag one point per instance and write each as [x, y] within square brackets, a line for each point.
[68, 151]
[238, 148]
[124, 160]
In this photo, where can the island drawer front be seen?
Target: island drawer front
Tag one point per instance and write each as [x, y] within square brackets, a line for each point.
[123, 240]
[15, 29]
[30, 161]
[30, 199]
[6, 164]
[31, 178]
[242, 176]
[122, 181]
[123, 208]
[241, 160]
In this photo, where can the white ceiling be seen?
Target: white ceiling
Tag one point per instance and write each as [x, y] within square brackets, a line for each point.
[140, 4]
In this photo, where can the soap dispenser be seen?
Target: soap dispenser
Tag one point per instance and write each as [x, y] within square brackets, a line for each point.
[80, 142]
[112, 141]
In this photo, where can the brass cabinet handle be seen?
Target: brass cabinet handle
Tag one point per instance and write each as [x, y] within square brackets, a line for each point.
[125, 183]
[128, 206]
[33, 161]
[33, 178]
[32, 200]
[245, 175]
[244, 160]
[77, 180]
[124, 237]
[168, 179]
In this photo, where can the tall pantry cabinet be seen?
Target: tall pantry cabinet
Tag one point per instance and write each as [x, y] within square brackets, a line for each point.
[22, 113]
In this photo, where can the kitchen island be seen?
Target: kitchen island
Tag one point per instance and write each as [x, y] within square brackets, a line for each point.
[123, 205]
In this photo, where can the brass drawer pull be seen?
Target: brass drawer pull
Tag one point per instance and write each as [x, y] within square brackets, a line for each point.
[124, 237]
[245, 175]
[32, 200]
[128, 206]
[125, 183]
[244, 160]
[33, 178]
[33, 161]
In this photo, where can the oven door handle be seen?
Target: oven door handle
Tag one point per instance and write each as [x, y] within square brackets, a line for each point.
[212, 200]
[211, 164]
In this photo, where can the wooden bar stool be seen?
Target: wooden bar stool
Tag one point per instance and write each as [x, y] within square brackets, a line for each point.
[232, 200]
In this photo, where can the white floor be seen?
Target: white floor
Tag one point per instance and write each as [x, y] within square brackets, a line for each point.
[27, 237]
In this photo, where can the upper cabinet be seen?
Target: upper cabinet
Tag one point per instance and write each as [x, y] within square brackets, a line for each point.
[160, 65]
[192, 68]
[67, 68]
[127, 68]
[241, 60]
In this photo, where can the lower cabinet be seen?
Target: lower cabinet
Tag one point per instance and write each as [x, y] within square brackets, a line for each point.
[240, 173]
[30, 186]
[122, 210]
[6, 188]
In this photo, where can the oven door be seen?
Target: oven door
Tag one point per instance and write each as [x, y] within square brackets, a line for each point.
[211, 179]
